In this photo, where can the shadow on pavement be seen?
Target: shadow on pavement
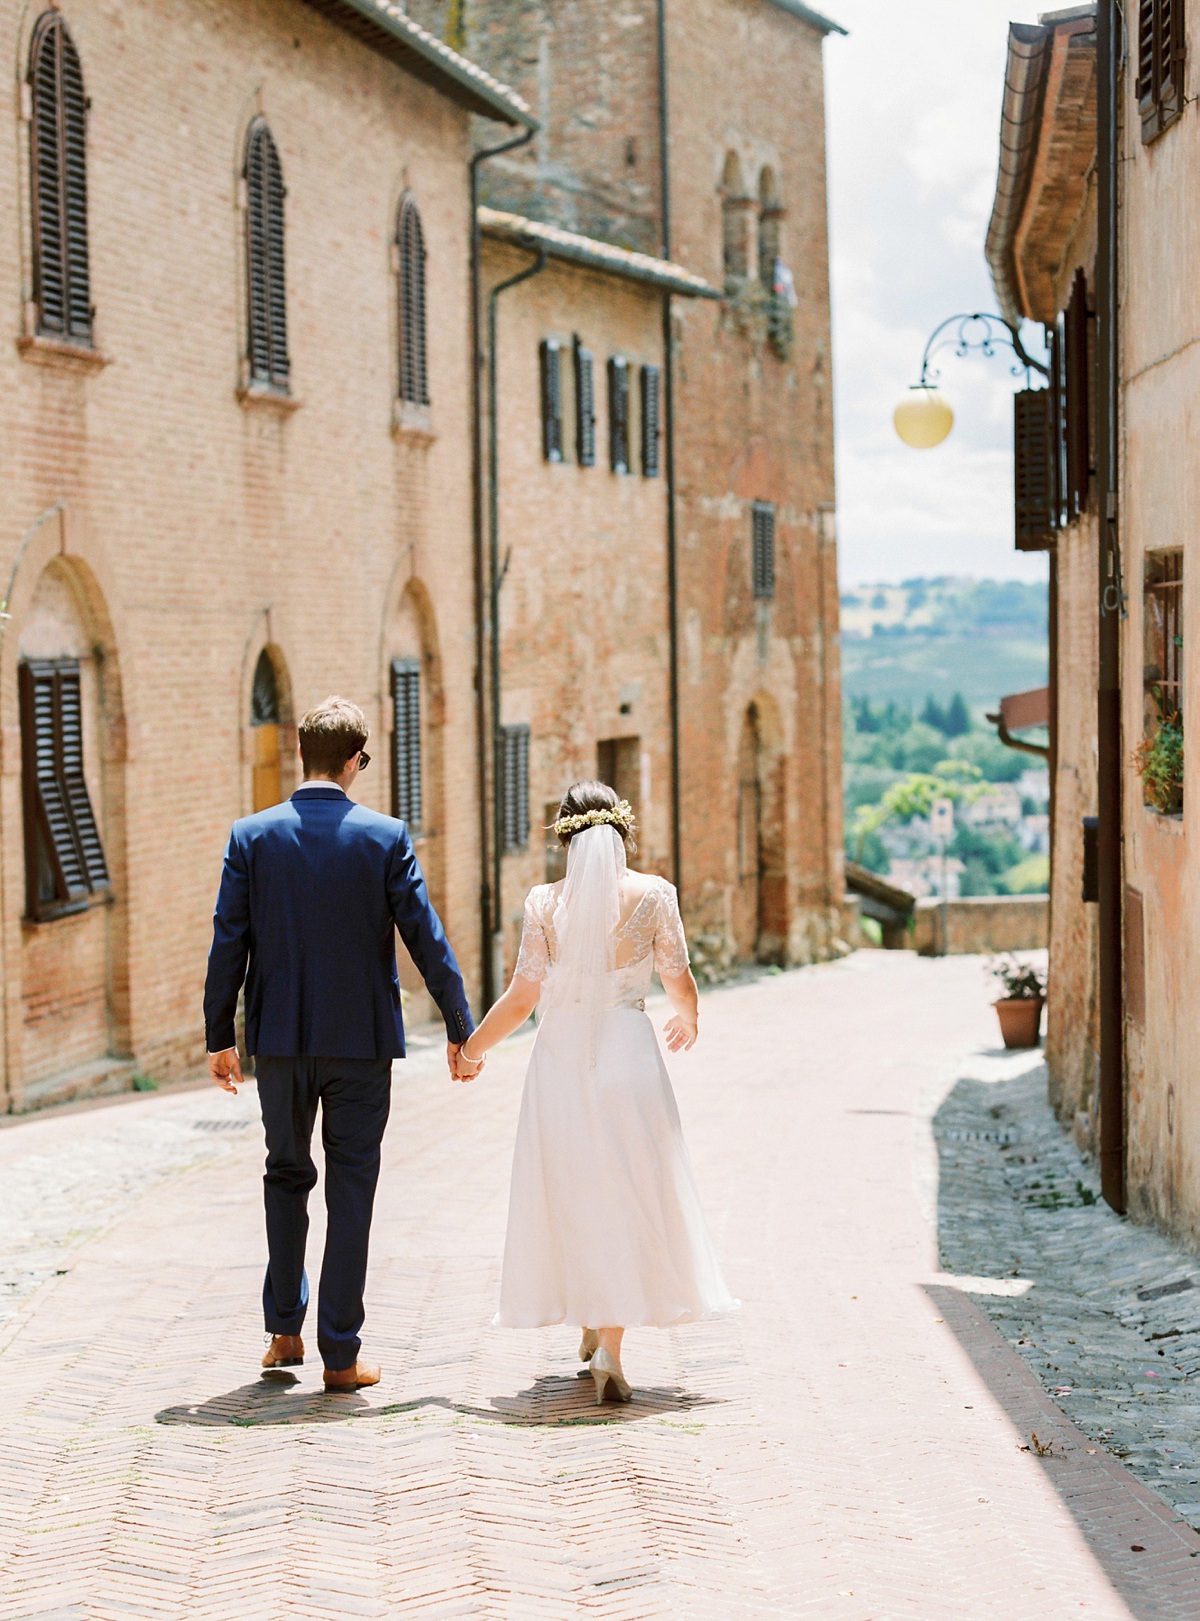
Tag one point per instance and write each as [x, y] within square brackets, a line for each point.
[553, 1399]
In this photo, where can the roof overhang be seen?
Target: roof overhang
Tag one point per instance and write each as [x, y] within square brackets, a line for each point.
[1047, 153]
[595, 255]
[806, 14]
[386, 28]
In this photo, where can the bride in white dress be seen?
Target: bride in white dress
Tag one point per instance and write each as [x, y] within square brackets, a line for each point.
[604, 1223]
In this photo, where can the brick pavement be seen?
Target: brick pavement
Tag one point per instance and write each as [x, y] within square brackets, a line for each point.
[848, 1446]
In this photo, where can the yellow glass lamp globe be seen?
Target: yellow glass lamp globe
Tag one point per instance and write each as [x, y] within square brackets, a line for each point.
[923, 418]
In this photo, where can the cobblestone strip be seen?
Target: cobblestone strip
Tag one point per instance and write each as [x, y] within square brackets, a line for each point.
[1105, 1313]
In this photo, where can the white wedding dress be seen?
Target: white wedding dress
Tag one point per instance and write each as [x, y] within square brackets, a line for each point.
[604, 1223]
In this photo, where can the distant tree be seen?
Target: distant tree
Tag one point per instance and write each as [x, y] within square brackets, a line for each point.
[933, 714]
[914, 796]
[958, 718]
[865, 718]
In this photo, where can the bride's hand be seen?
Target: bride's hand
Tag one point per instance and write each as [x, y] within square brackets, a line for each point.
[680, 1033]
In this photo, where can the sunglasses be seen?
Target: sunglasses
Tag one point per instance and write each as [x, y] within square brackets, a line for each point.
[364, 759]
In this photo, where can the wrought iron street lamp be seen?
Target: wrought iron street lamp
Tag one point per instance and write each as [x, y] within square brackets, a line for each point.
[924, 417]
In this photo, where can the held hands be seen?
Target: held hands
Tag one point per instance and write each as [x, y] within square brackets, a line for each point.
[226, 1070]
[680, 1033]
[462, 1068]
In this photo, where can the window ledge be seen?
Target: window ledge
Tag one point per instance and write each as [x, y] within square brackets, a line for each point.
[46, 351]
[1166, 821]
[412, 423]
[253, 397]
[52, 913]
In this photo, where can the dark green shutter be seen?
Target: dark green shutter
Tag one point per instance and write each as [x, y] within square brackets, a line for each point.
[61, 834]
[414, 365]
[266, 277]
[585, 406]
[651, 420]
[406, 741]
[550, 354]
[762, 547]
[618, 414]
[62, 287]
[515, 788]
[1076, 390]
[1034, 451]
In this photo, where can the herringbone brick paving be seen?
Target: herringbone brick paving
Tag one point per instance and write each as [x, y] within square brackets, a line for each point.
[847, 1446]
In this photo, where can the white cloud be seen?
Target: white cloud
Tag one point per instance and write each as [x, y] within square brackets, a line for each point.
[913, 109]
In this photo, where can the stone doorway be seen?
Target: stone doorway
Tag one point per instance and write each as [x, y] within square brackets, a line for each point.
[760, 921]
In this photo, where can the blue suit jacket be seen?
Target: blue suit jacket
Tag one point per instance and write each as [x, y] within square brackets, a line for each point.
[311, 895]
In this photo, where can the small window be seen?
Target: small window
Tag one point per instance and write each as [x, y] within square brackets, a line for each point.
[1035, 497]
[514, 784]
[770, 218]
[618, 414]
[1162, 48]
[267, 781]
[406, 742]
[1160, 755]
[762, 536]
[552, 404]
[64, 856]
[585, 406]
[651, 419]
[410, 254]
[58, 151]
[619, 764]
[266, 282]
[735, 223]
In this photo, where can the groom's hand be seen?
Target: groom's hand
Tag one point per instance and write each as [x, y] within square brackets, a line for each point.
[226, 1070]
[459, 1071]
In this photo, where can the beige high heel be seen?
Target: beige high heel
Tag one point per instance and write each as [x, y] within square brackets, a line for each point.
[589, 1345]
[606, 1371]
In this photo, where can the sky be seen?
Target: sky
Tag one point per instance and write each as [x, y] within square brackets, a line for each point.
[913, 109]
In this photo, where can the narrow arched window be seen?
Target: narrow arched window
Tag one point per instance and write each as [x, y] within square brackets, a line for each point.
[62, 291]
[410, 256]
[735, 220]
[770, 215]
[266, 283]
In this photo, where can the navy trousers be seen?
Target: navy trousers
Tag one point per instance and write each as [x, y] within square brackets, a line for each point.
[354, 1095]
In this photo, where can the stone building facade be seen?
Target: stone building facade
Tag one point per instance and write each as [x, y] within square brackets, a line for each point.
[759, 858]
[198, 543]
[1056, 245]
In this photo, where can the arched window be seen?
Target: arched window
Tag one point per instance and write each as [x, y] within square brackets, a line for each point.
[770, 214]
[58, 151]
[410, 256]
[735, 220]
[266, 284]
[265, 718]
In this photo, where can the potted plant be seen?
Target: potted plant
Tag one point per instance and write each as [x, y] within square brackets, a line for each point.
[1159, 761]
[1020, 1007]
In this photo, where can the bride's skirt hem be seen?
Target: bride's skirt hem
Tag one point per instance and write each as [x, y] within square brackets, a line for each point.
[573, 1320]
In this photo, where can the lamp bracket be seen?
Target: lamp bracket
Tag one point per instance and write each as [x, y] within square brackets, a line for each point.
[978, 331]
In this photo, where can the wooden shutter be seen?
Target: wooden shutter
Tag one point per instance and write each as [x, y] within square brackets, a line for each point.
[762, 539]
[1034, 450]
[618, 414]
[1161, 50]
[414, 368]
[61, 834]
[550, 354]
[515, 788]
[58, 151]
[406, 741]
[585, 406]
[1075, 390]
[266, 277]
[651, 420]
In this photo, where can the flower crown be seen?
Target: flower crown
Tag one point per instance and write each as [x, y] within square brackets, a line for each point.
[619, 816]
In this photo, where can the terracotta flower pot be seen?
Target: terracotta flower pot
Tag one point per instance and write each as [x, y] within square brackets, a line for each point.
[1020, 1020]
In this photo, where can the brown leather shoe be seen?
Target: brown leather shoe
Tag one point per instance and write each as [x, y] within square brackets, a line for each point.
[284, 1351]
[351, 1378]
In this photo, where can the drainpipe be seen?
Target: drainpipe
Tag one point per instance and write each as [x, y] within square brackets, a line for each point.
[496, 575]
[664, 170]
[481, 724]
[1111, 605]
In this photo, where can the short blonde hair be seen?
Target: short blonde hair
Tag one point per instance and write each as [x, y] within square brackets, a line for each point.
[330, 734]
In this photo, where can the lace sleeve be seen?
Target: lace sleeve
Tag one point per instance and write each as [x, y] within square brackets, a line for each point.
[670, 943]
[533, 959]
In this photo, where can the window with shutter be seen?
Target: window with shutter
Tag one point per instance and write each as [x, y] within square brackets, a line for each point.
[406, 742]
[762, 540]
[1035, 498]
[514, 784]
[266, 282]
[550, 353]
[58, 166]
[410, 247]
[618, 414]
[651, 420]
[585, 406]
[64, 855]
[1161, 49]
[1076, 374]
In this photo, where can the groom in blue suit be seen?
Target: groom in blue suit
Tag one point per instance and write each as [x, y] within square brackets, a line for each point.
[311, 895]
